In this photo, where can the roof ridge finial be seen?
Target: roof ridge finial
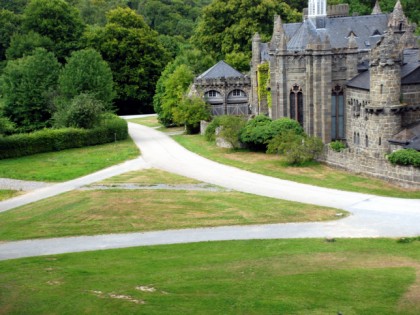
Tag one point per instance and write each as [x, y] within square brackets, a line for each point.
[376, 8]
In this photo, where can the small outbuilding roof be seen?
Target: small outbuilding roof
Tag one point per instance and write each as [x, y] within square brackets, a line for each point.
[219, 70]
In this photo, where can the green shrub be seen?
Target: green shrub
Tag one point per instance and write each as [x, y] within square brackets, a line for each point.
[337, 146]
[297, 148]
[231, 131]
[83, 111]
[210, 133]
[231, 128]
[189, 112]
[260, 130]
[111, 128]
[405, 157]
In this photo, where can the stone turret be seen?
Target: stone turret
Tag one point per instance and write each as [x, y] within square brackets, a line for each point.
[385, 72]
[384, 117]
[376, 8]
[397, 20]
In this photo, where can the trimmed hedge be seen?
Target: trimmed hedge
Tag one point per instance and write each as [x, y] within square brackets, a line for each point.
[111, 128]
[405, 157]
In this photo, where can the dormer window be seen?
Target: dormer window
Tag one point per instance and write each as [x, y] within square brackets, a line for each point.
[376, 33]
[351, 33]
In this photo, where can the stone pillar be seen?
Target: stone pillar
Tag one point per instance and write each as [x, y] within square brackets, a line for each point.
[255, 61]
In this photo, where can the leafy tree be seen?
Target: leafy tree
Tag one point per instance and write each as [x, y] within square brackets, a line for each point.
[174, 89]
[189, 112]
[9, 24]
[195, 60]
[57, 20]
[297, 148]
[87, 72]
[175, 17]
[28, 86]
[24, 44]
[6, 126]
[135, 56]
[16, 6]
[228, 26]
[83, 111]
[93, 12]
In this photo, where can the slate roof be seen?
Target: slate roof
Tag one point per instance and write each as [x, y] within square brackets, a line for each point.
[367, 30]
[410, 74]
[408, 137]
[219, 70]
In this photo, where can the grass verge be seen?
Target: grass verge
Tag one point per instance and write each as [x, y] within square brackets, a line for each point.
[115, 211]
[68, 164]
[357, 276]
[6, 194]
[313, 173]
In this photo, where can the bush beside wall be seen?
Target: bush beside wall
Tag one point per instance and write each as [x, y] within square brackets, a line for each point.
[111, 128]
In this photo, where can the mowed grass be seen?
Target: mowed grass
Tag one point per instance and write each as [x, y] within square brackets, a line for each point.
[148, 177]
[150, 121]
[6, 194]
[350, 276]
[68, 164]
[273, 165]
[115, 211]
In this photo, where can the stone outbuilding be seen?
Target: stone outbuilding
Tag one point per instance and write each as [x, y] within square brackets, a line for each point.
[225, 89]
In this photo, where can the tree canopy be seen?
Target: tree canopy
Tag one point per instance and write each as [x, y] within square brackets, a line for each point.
[57, 20]
[135, 56]
[87, 72]
[228, 26]
[28, 86]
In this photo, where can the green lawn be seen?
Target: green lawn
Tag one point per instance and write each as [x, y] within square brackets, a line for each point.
[68, 164]
[150, 121]
[314, 173]
[112, 211]
[351, 276]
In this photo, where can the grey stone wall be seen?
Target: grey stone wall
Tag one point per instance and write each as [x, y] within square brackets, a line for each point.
[411, 94]
[358, 162]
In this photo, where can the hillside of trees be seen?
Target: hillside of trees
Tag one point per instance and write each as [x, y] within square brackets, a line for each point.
[141, 50]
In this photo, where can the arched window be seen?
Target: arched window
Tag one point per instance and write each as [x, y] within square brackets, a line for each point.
[213, 97]
[366, 141]
[380, 141]
[237, 96]
[337, 113]
[296, 103]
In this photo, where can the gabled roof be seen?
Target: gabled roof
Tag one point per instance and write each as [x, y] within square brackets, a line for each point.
[366, 29]
[219, 70]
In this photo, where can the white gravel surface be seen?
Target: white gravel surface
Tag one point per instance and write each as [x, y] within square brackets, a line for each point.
[15, 184]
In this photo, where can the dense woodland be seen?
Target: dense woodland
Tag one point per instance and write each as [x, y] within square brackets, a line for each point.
[126, 56]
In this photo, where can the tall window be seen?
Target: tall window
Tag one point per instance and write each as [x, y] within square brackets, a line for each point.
[296, 103]
[337, 113]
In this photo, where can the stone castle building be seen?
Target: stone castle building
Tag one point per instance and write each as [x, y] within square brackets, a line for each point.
[349, 78]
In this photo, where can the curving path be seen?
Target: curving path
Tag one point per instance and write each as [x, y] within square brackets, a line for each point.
[372, 216]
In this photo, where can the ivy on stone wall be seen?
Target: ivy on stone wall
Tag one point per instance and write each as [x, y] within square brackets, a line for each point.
[264, 93]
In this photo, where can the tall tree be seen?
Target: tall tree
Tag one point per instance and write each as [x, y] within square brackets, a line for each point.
[9, 24]
[57, 20]
[87, 72]
[135, 56]
[28, 86]
[228, 26]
